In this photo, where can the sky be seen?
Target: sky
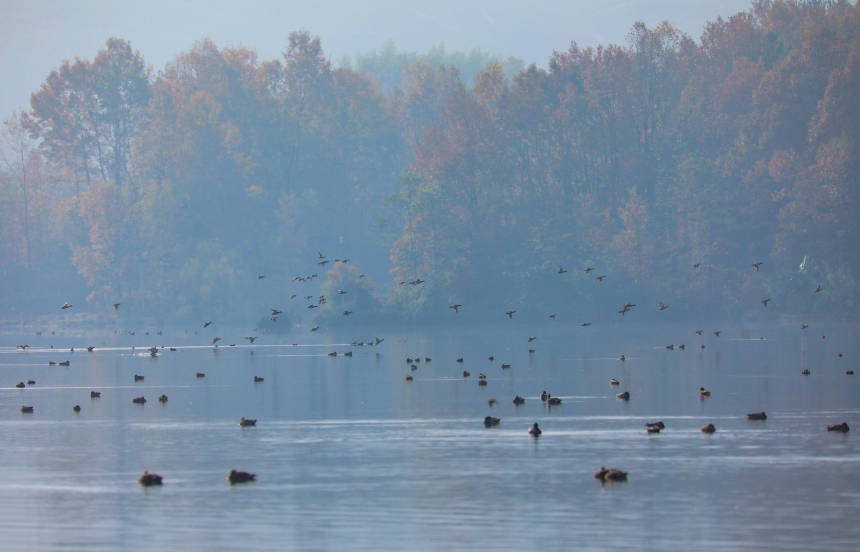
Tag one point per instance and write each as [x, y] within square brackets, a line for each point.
[38, 35]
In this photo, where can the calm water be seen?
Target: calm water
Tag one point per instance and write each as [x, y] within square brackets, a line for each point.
[350, 456]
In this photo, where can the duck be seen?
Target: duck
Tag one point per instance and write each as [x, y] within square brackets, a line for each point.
[489, 421]
[652, 429]
[553, 401]
[709, 428]
[251, 338]
[199, 375]
[482, 376]
[76, 408]
[455, 307]
[658, 425]
[849, 372]
[482, 382]
[66, 305]
[27, 409]
[757, 416]
[138, 400]
[409, 377]
[162, 399]
[613, 382]
[519, 400]
[257, 379]
[466, 374]
[236, 476]
[245, 422]
[805, 372]
[610, 475]
[138, 378]
[544, 396]
[625, 396]
[149, 479]
[20, 385]
[704, 392]
[95, 394]
[510, 313]
[504, 366]
[534, 430]
[843, 427]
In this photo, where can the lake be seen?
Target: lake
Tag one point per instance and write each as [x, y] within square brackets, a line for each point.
[351, 456]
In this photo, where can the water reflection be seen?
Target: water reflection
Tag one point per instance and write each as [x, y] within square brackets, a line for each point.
[351, 456]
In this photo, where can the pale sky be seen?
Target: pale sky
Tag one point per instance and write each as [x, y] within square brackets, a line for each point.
[37, 35]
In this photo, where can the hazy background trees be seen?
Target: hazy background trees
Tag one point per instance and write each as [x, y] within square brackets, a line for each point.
[171, 191]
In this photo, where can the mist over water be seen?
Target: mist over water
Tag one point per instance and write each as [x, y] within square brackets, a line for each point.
[350, 455]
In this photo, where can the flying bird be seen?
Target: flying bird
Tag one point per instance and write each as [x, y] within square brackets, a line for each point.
[532, 338]
[663, 307]
[561, 270]
[347, 312]
[552, 315]
[251, 338]
[261, 277]
[756, 265]
[116, 306]
[66, 305]
[697, 265]
[819, 288]
[717, 333]
[589, 269]
[455, 307]
[600, 278]
[276, 312]
[584, 324]
[510, 313]
[216, 340]
[699, 333]
[764, 302]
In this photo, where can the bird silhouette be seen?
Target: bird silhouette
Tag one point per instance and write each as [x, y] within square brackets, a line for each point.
[216, 340]
[699, 333]
[532, 338]
[764, 302]
[322, 263]
[585, 324]
[663, 307]
[315, 328]
[347, 312]
[756, 265]
[251, 338]
[819, 288]
[66, 305]
[510, 313]
[261, 276]
[600, 278]
[803, 326]
[552, 315]
[589, 269]
[697, 265]
[240, 477]
[717, 333]
[276, 312]
[116, 306]
[205, 324]
[455, 307]
[321, 256]
[561, 270]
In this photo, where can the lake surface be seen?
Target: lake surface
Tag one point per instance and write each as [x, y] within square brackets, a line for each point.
[351, 456]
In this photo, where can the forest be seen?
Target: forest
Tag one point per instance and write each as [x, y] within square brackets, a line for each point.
[223, 186]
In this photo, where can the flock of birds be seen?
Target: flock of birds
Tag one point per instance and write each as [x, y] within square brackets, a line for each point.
[603, 474]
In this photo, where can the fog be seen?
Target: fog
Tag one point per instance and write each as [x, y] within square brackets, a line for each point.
[37, 36]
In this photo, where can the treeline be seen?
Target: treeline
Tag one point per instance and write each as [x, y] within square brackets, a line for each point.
[172, 191]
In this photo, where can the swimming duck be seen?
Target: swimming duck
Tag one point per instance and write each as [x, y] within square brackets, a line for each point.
[245, 422]
[76, 408]
[553, 401]
[482, 376]
[505, 366]
[149, 479]
[625, 396]
[489, 421]
[20, 385]
[519, 400]
[257, 379]
[162, 399]
[138, 400]
[657, 425]
[200, 375]
[409, 378]
[704, 392]
[27, 409]
[709, 428]
[466, 374]
[482, 382]
[95, 394]
[544, 396]
[805, 372]
[843, 427]
[757, 416]
[534, 430]
[849, 372]
[613, 382]
[138, 378]
[240, 477]
[610, 474]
